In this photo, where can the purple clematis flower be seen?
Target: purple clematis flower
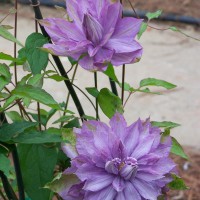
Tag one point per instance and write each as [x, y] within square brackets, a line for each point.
[96, 35]
[119, 162]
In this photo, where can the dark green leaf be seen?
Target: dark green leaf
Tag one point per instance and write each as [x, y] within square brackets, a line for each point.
[8, 131]
[154, 14]
[110, 72]
[50, 135]
[57, 78]
[4, 71]
[143, 28]
[73, 123]
[37, 94]
[36, 81]
[37, 58]
[37, 164]
[165, 124]
[177, 183]
[14, 116]
[93, 91]
[5, 165]
[65, 119]
[88, 117]
[147, 90]
[177, 149]
[156, 82]
[8, 36]
[109, 103]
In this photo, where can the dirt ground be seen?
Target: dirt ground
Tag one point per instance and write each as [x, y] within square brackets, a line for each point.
[167, 55]
[180, 7]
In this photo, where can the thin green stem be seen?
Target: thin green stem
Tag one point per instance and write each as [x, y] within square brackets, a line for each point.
[96, 86]
[68, 95]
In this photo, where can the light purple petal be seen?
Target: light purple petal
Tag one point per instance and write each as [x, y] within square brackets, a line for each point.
[105, 194]
[93, 29]
[99, 183]
[127, 27]
[147, 190]
[118, 184]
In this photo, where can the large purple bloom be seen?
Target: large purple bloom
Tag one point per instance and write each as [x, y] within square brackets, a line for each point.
[96, 34]
[119, 162]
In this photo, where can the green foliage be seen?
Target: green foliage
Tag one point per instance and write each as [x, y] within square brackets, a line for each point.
[165, 124]
[93, 91]
[5, 76]
[154, 14]
[64, 119]
[36, 58]
[177, 149]
[143, 28]
[177, 184]
[14, 116]
[62, 181]
[36, 81]
[51, 135]
[37, 94]
[11, 131]
[110, 72]
[37, 164]
[109, 102]
[5, 165]
[156, 82]
[8, 36]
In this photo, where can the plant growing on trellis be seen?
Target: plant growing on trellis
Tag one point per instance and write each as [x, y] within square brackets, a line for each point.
[101, 162]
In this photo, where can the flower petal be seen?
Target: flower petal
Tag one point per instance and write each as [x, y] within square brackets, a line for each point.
[118, 184]
[99, 183]
[147, 190]
[93, 29]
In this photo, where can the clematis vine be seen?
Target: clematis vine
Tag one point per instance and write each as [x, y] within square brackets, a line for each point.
[118, 162]
[96, 34]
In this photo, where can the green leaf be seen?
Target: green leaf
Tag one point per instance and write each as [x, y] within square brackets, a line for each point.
[9, 131]
[88, 117]
[37, 164]
[37, 94]
[177, 149]
[177, 184]
[5, 165]
[4, 71]
[147, 90]
[156, 82]
[109, 103]
[36, 81]
[69, 135]
[72, 61]
[57, 78]
[93, 91]
[4, 56]
[14, 116]
[65, 118]
[143, 28]
[51, 135]
[127, 87]
[73, 123]
[61, 182]
[110, 72]
[37, 58]
[154, 14]
[8, 36]
[165, 124]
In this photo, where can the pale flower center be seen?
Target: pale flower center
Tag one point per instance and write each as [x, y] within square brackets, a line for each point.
[126, 168]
